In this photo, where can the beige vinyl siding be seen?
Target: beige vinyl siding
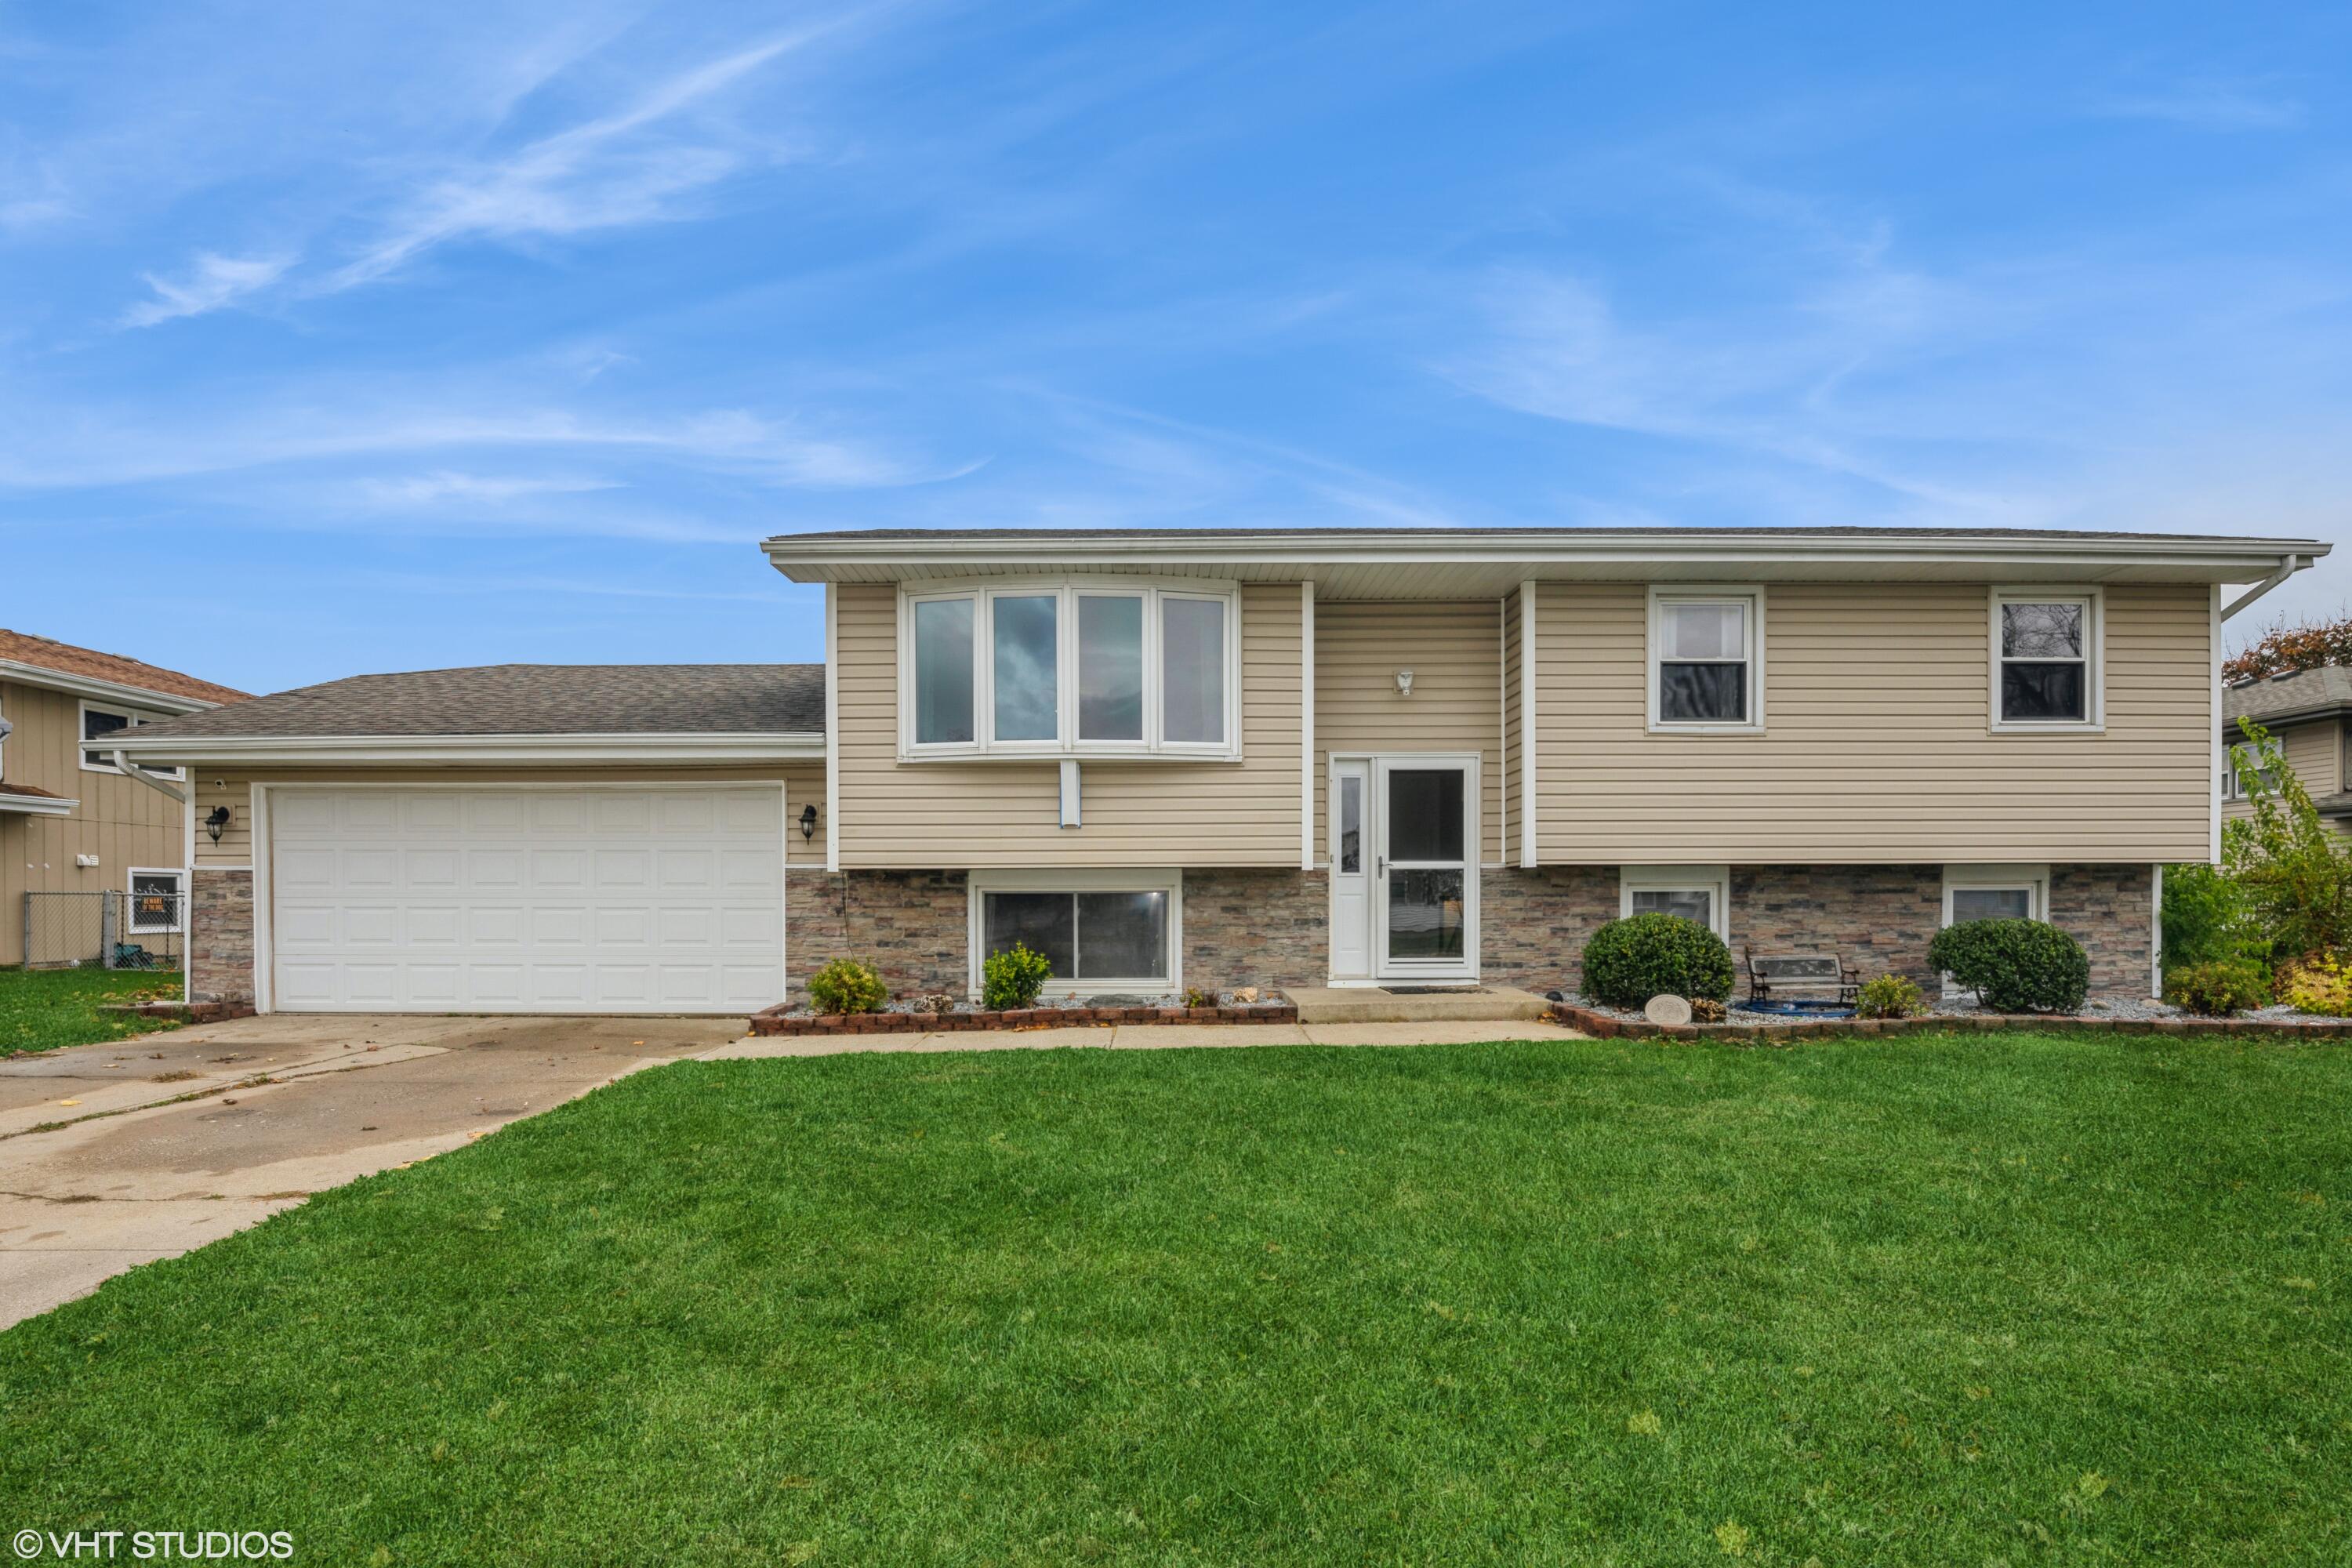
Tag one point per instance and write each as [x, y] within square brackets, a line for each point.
[1455, 650]
[932, 816]
[120, 820]
[804, 784]
[1876, 746]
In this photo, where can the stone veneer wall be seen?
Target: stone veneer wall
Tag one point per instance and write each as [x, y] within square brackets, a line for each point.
[913, 925]
[220, 937]
[1257, 928]
[1532, 923]
[1880, 918]
[2109, 910]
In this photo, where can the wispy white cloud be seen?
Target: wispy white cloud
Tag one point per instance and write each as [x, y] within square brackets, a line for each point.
[2208, 105]
[613, 170]
[211, 282]
[442, 487]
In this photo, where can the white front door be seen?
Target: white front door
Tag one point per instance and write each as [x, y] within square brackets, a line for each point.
[660, 898]
[1405, 906]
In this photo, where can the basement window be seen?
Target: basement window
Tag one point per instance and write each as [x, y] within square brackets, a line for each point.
[1101, 931]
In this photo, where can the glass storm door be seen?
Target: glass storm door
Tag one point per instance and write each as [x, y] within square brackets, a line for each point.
[1424, 892]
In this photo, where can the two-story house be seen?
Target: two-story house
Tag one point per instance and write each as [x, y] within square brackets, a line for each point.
[70, 820]
[2306, 711]
[1281, 756]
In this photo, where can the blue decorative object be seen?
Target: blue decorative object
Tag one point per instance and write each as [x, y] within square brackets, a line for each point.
[1798, 1009]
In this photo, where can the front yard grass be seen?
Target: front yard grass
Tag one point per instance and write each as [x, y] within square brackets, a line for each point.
[1937, 1300]
[41, 1009]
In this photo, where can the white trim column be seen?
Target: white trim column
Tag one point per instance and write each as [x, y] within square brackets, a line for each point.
[2155, 934]
[1307, 724]
[833, 726]
[1527, 724]
[2213, 724]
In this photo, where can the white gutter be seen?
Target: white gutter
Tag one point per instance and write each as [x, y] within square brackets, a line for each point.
[2287, 568]
[1566, 547]
[151, 781]
[91, 686]
[482, 750]
[37, 804]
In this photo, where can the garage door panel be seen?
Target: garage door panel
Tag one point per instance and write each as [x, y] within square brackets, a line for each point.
[661, 898]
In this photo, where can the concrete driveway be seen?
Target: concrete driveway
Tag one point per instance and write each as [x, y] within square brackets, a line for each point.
[116, 1155]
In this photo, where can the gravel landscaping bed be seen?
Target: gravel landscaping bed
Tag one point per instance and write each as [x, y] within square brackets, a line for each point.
[1962, 1012]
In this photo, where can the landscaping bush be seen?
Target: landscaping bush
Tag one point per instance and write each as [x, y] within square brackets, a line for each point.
[2205, 918]
[1628, 961]
[2015, 966]
[846, 985]
[2317, 983]
[2218, 986]
[1014, 977]
[1707, 1010]
[2292, 871]
[1889, 997]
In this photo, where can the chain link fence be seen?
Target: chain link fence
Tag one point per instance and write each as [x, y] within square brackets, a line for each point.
[105, 930]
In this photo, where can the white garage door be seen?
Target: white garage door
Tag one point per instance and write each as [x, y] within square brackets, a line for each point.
[651, 900]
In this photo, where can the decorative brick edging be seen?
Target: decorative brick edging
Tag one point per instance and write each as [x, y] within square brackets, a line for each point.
[1604, 1026]
[776, 1020]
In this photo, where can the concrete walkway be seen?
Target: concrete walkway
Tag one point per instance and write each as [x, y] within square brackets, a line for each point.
[115, 1155]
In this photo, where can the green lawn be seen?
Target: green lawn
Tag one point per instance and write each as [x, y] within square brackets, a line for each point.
[41, 1009]
[1939, 1299]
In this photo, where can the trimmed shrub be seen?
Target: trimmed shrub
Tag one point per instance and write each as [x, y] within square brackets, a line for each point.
[1014, 977]
[2015, 966]
[1889, 997]
[2218, 986]
[1628, 961]
[846, 985]
[2317, 983]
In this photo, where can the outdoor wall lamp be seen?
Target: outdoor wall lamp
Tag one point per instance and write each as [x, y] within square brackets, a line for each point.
[1405, 683]
[808, 823]
[216, 821]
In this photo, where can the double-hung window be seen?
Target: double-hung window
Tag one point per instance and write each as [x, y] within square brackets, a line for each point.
[1088, 669]
[2045, 658]
[1707, 649]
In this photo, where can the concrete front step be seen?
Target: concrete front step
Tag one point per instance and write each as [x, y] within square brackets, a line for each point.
[1369, 1004]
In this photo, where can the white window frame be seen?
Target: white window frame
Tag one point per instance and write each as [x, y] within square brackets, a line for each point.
[1068, 591]
[2094, 658]
[131, 900]
[133, 717]
[1750, 597]
[2033, 880]
[1715, 881]
[1092, 879]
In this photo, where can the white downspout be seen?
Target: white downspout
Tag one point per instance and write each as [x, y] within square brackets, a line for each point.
[150, 780]
[2287, 568]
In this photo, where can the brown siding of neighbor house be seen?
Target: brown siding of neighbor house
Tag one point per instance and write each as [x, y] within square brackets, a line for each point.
[121, 820]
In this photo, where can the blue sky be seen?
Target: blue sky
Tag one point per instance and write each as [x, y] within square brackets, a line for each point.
[336, 341]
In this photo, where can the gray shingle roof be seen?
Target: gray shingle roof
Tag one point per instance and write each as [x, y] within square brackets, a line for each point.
[533, 699]
[2303, 693]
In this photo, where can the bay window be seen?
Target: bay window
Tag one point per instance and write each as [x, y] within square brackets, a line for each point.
[1097, 669]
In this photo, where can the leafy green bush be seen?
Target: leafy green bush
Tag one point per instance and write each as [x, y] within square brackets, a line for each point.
[2218, 986]
[846, 985]
[1014, 977]
[2205, 918]
[1889, 997]
[2293, 872]
[2015, 966]
[2317, 983]
[1628, 961]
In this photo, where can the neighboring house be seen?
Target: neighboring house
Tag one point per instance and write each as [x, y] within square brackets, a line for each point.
[1172, 758]
[69, 820]
[2306, 709]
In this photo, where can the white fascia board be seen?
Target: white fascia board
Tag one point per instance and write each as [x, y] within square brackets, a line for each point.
[91, 686]
[812, 560]
[37, 804]
[482, 750]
